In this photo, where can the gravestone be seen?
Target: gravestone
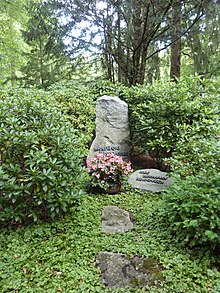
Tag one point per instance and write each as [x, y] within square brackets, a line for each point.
[151, 180]
[115, 220]
[112, 128]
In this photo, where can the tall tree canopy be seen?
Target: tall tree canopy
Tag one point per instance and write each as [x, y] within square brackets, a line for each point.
[48, 61]
[12, 17]
[203, 41]
[133, 32]
[134, 40]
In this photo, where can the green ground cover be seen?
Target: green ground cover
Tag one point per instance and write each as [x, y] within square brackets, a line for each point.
[61, 256]
[179, 228]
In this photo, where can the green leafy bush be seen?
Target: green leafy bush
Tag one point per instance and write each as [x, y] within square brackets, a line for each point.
[40, 156]
[195, 155]
[191, 209]
[76, 101]
[105, 87]
[165, 114]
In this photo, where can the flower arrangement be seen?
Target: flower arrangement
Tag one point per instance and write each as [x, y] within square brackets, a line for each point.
[107, 169]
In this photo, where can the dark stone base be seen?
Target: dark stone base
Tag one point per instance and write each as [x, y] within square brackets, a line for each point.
[113, 188]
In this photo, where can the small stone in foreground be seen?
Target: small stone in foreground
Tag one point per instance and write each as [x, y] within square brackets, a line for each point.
[119, 271]
[115, 220]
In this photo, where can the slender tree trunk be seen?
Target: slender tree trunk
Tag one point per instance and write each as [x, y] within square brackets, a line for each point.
[136, 42]
[176, 46]
[120, 61]
[41, 64]
[109, 50]
[108, 46]
[119, 43]
[128, 65]
[143, 65]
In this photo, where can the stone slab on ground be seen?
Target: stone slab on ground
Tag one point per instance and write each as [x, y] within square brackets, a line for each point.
[115, 220]
[151, 180]
[119, 271]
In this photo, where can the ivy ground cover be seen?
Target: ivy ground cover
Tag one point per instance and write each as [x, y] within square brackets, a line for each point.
[61, 256]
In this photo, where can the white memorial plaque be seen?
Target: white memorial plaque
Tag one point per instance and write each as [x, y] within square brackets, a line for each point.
[151, 180]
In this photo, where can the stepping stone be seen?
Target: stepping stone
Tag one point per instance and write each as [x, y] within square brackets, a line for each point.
[119, 271]
[115, 220]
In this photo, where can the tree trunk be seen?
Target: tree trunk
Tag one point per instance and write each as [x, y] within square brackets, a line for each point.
[108, 46]
[176, 46]
[143, 65]
[119, 45]
[136, 42]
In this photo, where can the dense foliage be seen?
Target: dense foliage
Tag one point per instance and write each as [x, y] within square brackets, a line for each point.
[47, 59]
[166, 117]
[40, 159]
[192, 209]
[196, 155]
[76, 101]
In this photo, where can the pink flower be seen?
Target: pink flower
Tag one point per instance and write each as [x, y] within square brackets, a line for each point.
[97, 175]
[108, 167]
[93, 167]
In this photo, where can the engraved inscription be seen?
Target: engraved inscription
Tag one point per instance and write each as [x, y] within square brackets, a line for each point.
[107, 148]
[146, 177]
[154, 177]
[115, 149]
[149, 180]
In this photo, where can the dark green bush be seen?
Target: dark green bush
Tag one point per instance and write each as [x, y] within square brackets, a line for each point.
[105, 87]
[76, 101]
[40, 156]
[195, 155]
[191, 209]
[165, 114]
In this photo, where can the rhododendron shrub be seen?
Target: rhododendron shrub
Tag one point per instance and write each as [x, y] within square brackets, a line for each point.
[41, 176]
[106, 169]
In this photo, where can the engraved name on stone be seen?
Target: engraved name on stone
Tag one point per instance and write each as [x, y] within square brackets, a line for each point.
[115, 149]
[150, 180]
[107, 148]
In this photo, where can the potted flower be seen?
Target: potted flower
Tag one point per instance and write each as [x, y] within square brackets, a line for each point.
[107, 171]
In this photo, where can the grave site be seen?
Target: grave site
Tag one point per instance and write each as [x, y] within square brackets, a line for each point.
[109, 146]
[120, 221]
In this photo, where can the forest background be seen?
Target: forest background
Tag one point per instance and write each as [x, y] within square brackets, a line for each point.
[131, 42]
[57, 57]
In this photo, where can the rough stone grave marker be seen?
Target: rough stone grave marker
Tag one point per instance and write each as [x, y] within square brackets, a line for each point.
[151, 180]
[112, 128]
